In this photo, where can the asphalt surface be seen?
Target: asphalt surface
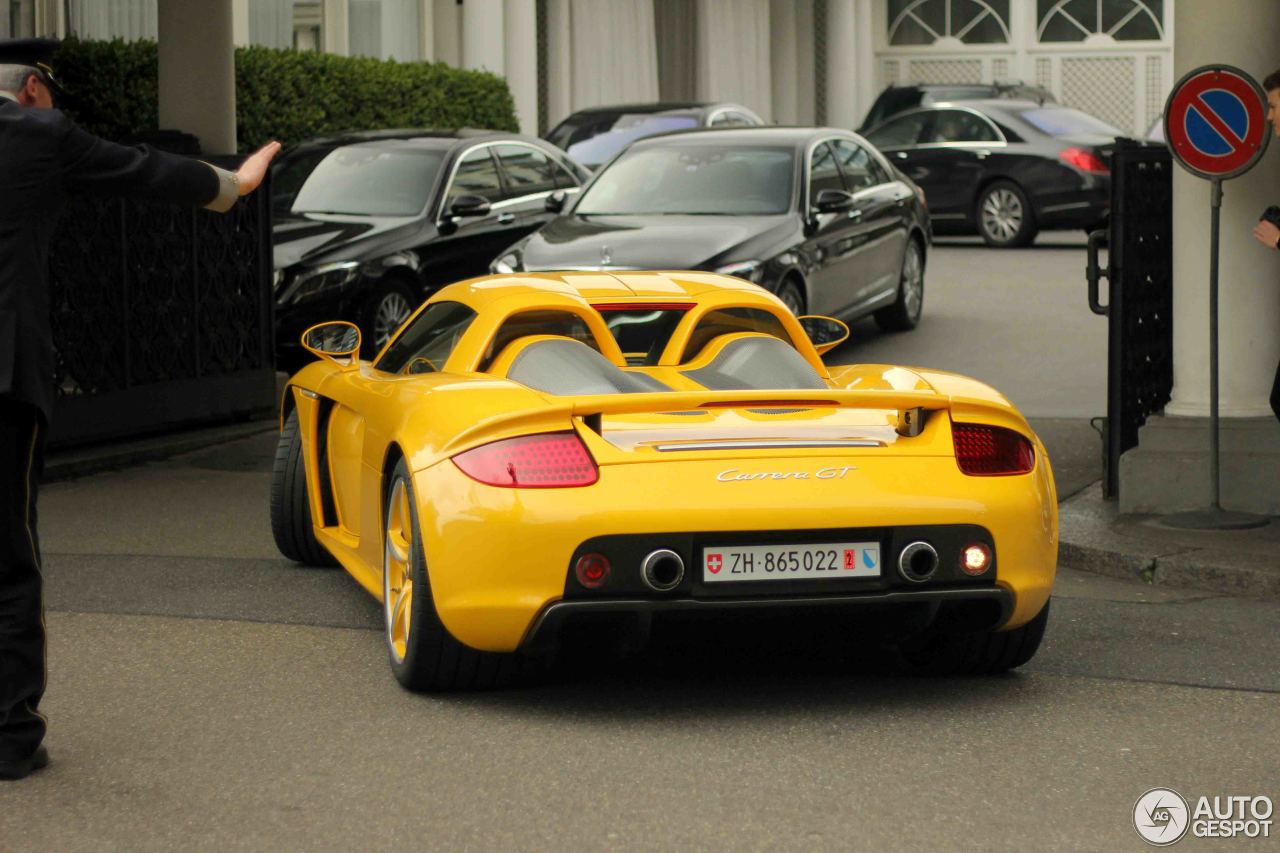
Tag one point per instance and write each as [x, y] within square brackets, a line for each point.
[205, 693]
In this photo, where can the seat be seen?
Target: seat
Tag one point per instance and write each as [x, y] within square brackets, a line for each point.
[567, 367]
[749, 361]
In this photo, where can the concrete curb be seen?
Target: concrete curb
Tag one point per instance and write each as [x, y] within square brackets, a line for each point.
[83, 461]
[1094, 537]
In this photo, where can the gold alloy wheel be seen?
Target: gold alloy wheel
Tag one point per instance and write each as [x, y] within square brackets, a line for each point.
[397, 570]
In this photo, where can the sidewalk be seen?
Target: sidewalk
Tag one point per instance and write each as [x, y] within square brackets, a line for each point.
[1094, 537]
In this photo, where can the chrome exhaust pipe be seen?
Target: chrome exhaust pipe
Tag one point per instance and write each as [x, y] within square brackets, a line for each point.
[662, 570]
[917, 562]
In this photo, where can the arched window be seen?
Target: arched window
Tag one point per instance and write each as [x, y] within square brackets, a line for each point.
[922, 22]
[1080, 20]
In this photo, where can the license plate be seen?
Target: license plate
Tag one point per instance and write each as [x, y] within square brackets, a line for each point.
[791, 562]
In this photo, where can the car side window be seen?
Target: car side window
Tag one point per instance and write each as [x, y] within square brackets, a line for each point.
[425, 346]
[899, 132]
[961, 126]
[824, 174]
[528, 170]
[476, 175]
[861, 171]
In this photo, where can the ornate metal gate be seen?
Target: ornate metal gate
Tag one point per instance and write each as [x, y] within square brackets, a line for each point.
[1139, 307]
[162, 317]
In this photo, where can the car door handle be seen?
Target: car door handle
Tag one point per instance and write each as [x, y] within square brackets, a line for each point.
[983, 154]
[901, 155]
[854, 213]
[506, 218]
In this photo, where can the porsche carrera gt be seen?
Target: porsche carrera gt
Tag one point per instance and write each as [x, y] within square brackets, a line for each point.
[531, 452]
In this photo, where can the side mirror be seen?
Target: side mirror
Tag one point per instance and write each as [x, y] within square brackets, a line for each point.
[469, 205]
[826, 333]
[833, 201]
[333, 340]
[555, 201]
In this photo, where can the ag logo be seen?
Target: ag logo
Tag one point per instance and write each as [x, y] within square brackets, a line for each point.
[1161, 817]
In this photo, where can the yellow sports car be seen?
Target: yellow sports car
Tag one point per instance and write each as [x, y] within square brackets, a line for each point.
[533, 452]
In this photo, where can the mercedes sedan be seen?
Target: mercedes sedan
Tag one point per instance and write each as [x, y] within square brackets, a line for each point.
[814, 215]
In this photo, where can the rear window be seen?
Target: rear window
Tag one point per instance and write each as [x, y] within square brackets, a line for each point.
[626, 130]
[1064, 121]
[642, 332]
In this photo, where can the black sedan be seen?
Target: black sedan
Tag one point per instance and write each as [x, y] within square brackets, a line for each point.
[592, 136]
[1004, 168]
[815, 215]
[366, 226]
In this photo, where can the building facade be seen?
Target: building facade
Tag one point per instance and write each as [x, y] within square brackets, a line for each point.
[792, 61]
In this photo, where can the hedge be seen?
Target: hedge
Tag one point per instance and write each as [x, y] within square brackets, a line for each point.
[284, 94]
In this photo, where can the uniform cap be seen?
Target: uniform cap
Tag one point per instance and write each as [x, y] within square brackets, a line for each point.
[36, 53]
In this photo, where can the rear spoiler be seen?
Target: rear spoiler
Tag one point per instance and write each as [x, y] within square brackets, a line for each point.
[913, 408]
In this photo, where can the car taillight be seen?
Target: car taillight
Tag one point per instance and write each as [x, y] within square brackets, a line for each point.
[545, 461]
[1085, 161]
[592, 570]
[988, 451]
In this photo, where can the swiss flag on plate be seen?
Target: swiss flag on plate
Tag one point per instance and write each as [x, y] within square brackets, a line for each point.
[715, 562]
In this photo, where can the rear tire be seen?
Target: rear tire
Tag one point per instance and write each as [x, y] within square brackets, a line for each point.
[983, 653]
[422, 652]
[1005, 217]
[904, 315]
[291, 524]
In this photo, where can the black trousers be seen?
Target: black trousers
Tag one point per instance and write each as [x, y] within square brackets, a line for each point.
[22, 650]
[1275, 393]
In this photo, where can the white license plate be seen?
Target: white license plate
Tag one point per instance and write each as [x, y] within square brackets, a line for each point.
[791, 562]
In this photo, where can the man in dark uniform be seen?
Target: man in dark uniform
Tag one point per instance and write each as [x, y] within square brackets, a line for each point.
[44, 156]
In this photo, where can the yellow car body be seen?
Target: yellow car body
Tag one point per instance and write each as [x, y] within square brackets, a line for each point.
[863, 454]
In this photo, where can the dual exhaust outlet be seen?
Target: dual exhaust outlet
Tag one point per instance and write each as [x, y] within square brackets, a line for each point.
[663, 569]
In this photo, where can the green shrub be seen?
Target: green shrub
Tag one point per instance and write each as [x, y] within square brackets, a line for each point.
[284, 94]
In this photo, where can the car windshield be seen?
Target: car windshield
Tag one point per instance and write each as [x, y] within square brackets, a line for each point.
[625, 130]
[1064, 121]
[370, 180]
[694, 179]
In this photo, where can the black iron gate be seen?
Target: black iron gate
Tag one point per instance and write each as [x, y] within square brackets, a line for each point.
[162, 316]
[1139, 307]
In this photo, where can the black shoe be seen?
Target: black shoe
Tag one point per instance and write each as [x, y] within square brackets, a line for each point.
[19, 767]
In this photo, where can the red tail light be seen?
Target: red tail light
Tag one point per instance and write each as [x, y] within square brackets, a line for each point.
[988, 451]
[1085, 161]
[546, 461]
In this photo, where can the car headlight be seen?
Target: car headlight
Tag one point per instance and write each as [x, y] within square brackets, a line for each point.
[508, 263]
[750, 270]
[324, 277]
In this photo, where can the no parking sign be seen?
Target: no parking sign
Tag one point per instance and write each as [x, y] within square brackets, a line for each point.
[1216, 122]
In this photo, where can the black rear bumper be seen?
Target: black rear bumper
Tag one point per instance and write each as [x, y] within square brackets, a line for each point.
[973, 609]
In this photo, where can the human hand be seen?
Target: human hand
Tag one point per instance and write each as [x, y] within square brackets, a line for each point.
[1267, 233]
[254, 168]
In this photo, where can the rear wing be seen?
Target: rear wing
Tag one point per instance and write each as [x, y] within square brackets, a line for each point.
[913, 410]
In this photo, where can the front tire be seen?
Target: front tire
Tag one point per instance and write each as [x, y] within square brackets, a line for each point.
[385, 312]
[904, 315]
[423, 654]
[1005, 218]
[983, 653]
[291, 524]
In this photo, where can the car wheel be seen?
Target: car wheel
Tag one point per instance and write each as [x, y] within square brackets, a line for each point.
[291, 525]
[904, 314]
[1005, 219]
[792, 297]
[938, 652]
[384, 313]
[424, 655]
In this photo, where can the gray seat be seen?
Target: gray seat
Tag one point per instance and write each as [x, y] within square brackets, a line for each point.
[761, 363]
[568, 367]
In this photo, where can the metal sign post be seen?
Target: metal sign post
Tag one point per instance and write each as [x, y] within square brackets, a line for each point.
[1215, 122]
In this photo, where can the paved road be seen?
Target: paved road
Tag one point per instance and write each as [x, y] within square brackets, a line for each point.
[204, 693]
